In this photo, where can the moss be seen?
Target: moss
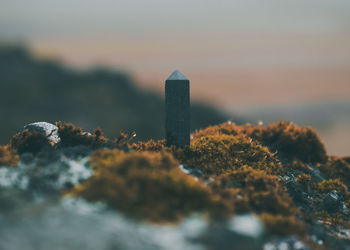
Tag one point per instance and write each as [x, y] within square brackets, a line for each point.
[123, 141]
[31, 142]
[297, 166]
[8, 156]
[73, 136]
[289, 140]
[150, 145]
[283, 225]
[332, 220]
[222, 153]
[305, 180]
[332, 184]
[143, 180]
[145, 185]
[337, 167]
[259, 192]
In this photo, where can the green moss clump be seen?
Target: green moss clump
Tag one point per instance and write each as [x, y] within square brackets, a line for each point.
[337, 167]
[221, 153]
[30, 142]
[289, 140]
[283, 225]
[146, 185]
[73, 136]
[258, 191]
[8, 156]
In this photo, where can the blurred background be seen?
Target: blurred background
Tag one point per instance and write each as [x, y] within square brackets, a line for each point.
[103, 63]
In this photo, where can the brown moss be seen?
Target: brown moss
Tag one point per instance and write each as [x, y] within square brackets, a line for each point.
[259, 191]
[8, 157]
[221, 153]
[73, 136]
[283, 225]
[147, 182]
[332, 220]
[332, 184]
[337, 167]
[150, 145]
[145, 185]
[304, 179]
[123, 140]
[31, 142]
[297, 166]
[289, 140]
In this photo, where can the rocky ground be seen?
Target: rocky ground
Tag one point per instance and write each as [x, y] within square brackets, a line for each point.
[234, 187]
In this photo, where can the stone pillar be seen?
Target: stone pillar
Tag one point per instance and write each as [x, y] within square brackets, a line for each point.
[177, 110]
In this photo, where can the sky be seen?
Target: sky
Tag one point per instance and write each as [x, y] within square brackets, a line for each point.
[236, 45]
[239, 54]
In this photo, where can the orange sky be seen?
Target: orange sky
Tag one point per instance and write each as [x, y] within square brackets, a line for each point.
[242, 70]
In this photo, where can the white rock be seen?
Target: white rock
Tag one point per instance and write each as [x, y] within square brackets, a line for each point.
[45, 128]
[247, 225]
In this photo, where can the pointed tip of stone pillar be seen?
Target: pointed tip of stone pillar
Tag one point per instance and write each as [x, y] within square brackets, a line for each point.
[177, 75]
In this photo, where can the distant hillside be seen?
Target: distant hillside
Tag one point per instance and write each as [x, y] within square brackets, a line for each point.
[42, 90]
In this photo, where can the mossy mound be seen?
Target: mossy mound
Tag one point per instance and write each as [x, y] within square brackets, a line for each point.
[290, 141]
[337, 167]
[70, 136]
[256, 190]
[8, 157]
[235, 169]
[74, 136]
[327, 186]
[217, 154]
[146, 185]
[30, 142]
[283, 225]
[150, 145]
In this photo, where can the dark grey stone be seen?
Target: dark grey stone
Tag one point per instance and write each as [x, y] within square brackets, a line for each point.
[297, 192]
[27, 158]
[333, 201]
[316, 174]
[177, 110]
[243, 232]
